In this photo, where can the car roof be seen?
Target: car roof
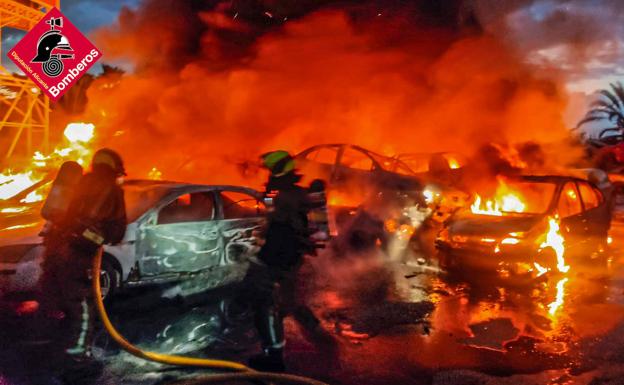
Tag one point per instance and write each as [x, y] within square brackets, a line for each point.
[551, 178]
[342, 145]
[175, 186]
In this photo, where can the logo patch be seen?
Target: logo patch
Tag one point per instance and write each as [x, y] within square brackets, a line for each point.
[54, 54]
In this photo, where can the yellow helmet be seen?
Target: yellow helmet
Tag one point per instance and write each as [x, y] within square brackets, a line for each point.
[278, 162]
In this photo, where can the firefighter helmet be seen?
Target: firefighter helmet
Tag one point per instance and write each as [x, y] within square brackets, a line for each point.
[109, 158]
[278, 162]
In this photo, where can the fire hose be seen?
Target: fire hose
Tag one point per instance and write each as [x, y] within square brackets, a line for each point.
[244, 372]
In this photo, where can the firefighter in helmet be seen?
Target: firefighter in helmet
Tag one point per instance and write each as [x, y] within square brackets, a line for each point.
[95, 215]
[271, 283]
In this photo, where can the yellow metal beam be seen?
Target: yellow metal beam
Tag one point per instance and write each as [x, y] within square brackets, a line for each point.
[25, 111]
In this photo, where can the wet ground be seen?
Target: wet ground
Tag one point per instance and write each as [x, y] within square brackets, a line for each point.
[401, 321]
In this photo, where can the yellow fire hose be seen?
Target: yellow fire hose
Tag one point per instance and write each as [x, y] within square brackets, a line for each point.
[246, 373]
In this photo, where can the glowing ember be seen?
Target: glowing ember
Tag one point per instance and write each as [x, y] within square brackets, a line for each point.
[556, 304]
[555, 240]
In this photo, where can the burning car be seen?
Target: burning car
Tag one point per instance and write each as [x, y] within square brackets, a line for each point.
[359, 177]
[525, 226]
[355, 169]
[182, 233]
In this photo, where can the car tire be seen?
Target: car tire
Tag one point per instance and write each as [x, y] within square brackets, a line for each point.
[110, 278]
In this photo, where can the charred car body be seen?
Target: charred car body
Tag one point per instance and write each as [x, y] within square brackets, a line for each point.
[515, 238]
[197, 235]
[362, 182]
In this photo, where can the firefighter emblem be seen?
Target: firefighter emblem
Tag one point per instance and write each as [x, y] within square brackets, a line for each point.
[52, 48]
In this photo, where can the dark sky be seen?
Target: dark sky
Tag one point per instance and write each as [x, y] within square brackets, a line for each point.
[549, 31]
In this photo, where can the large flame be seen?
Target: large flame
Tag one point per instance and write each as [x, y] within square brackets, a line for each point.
[78, 148]
[505, 201]
[555, 240]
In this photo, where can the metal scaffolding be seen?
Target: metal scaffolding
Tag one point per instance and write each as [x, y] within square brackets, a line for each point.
[24, 109]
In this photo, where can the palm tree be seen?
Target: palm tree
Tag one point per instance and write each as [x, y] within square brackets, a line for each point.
[609, 106]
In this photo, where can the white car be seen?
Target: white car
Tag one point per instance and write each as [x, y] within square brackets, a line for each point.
[200, 236]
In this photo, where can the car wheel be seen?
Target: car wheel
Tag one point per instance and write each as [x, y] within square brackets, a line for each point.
[109, 279]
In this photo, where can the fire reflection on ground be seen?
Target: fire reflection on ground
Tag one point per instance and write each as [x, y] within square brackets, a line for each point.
[490, 324]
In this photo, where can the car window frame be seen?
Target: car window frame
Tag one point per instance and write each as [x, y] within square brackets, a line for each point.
[597, 193]
[562, 192]
[375, 165]
[221, 204]
[337, 149]
[155, 211]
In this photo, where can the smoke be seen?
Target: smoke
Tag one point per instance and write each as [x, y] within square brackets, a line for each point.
[216, 83]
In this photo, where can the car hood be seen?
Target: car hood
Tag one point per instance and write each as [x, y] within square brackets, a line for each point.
[494, 226]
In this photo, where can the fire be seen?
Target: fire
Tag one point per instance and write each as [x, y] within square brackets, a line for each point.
[78, 148]
[505, 201]
[154, 174]
[453, 163]
[11, 184]
[559, 299]
[79, 132]
[555, 240]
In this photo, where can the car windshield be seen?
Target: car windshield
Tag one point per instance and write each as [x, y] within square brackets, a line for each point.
[536, 196]
[139, 199]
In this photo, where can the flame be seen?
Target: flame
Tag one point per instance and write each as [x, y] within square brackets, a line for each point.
[11, 184]
[453, 163]
[154, 174]
[555, 240]
[559, 299]
[541, 270]
[79, 137]
[505, 201]
[79, 132]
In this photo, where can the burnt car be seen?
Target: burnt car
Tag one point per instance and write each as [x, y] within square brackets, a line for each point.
[354, 167]
[177, 233]
[359, 177]
[515, 238]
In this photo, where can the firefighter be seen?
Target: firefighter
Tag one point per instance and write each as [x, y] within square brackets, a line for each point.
[95, 215]
[272, 287]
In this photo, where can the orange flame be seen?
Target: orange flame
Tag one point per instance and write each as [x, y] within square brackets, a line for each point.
[505, 201]
[559, 300]
[79, 148]
[555, 240]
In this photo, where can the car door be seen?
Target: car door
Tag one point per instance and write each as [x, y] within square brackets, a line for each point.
[571, 214]
[182, 238]
[241, 217]
[597, 216]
